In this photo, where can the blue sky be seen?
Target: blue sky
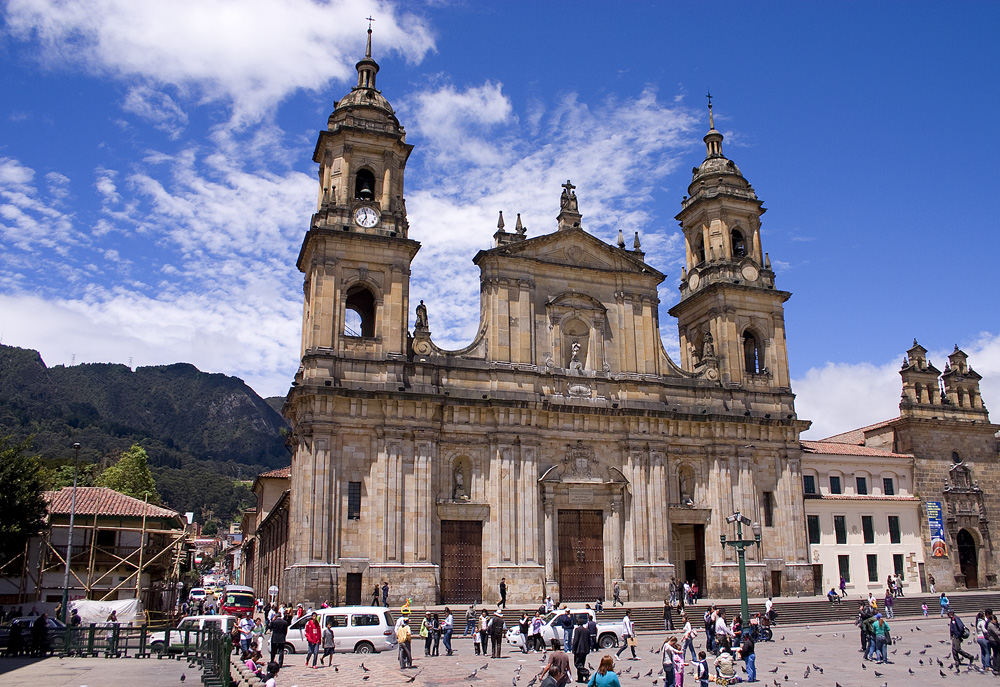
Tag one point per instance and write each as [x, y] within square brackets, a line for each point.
[156, 176]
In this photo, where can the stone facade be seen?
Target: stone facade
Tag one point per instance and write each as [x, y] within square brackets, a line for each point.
[563, 444]
[945, 426]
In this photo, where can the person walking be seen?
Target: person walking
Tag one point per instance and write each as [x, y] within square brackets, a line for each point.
[496, 633]
[843, 587]
[667, 652]
[314, 636]
[945, 603]
[523, 631]
[329, 642]
[723, 634]
[605, 675]
[984, 644]
[628, 634]
[958, 633]
[749, 656]
[436, 635]
[246, 631]
[565, 622]
[930, 581]
[385, 593]
[535, 639]
[880, 629]
[687, 638]
[558, 668]
[484, 631]
[447, 628]
[375, 595]
[616, 598]
[403, 637]
[470, 621]
[503, 593]
[889, 599]
[993, 639]
[581, 648]
[279, 633]
[673, 590]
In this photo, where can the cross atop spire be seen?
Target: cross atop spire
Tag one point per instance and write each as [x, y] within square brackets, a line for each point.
[711, 118]
[368, 50]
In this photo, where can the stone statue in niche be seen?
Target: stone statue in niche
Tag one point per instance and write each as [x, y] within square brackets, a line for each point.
[574, 361]
[685, 486]
[459, 493]
[708, 350]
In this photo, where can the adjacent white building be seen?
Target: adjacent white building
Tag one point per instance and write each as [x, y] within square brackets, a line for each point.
[862, 518]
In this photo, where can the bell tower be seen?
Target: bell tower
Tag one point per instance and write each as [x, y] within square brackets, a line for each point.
[356, 255]
[729, 307]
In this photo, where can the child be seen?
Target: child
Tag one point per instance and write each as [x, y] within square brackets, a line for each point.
[701, 673]
[329, 643]
[678, 669]
[923, 607]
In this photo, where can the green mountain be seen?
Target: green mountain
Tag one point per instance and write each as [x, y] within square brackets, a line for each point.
[203, 432]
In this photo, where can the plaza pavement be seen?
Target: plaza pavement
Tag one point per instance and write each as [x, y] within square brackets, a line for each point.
[831, 647]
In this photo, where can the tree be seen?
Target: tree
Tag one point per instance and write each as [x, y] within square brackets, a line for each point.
[22, 506]
[131, 476]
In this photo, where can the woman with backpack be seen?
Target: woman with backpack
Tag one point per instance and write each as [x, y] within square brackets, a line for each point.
[881, 631]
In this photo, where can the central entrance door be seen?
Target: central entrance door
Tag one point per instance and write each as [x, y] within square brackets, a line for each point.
[461, 561]
[581, 555]
[968, 558]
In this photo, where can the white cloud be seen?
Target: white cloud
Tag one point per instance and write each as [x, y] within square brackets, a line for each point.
[28, 219]
[842, 396]
[157, 108]
[252, 53]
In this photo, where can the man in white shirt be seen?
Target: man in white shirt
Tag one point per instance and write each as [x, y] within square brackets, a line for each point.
[447, 628]
[628, 634]
[723, 634]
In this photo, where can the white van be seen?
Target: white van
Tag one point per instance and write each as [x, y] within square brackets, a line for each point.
[361, 629]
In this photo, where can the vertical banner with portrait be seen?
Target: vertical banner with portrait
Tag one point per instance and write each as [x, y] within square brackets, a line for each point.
[939, 548]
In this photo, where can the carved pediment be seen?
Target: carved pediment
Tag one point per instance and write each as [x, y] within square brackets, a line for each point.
[576, 257]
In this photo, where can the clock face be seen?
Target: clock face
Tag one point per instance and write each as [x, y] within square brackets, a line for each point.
[366, 217]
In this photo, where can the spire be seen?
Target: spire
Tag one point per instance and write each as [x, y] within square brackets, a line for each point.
[367, 67]
[500, 224]
[368, 50]
[711, 117]
[519, 228]
[713, 139]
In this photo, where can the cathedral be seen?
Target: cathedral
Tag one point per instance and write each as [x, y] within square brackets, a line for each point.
[562, 450]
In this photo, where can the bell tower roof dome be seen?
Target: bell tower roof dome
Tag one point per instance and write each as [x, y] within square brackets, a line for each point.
[717, 169]
[364, 94]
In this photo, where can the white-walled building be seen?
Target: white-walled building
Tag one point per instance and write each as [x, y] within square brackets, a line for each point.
[862, 518]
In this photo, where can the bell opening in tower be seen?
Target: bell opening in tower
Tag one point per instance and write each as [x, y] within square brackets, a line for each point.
[359, 313]
[364, 185]
[739, 244]
[751, 354]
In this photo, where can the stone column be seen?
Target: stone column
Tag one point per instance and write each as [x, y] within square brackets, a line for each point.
[617, 541]
[550, 537]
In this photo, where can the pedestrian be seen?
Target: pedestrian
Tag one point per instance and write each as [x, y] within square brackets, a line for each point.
[484, 631]
[723, 634]
[605, 675]
[75, 619]
[279, 632]
[385, 594]
[701, 669]
[709, 618]
[668, 621]
[271, 674]
[888, 603]
[470, 620]
[558, 668]
[425, 633]
[725, 668]
[958, 633]
[769, 610]
[673, 590]
[403, 637]
[329, 642]
[523, 630]
[564, 621]
[435, 635]
[843, 587]
[880, 629]
[616, 595]
[111, 635]
[314, 636]
[447, 629]
[982, 641]
[628, 634]
[246, 631]
[551, 678]
[592, 632]
[496, 632]
[749, 656]
[872, 601]
[993, 639]
[695, 592]
[40, 636]
[930, 580]
[923, 608]
[581, 648]
[899, 586]
[687, 638]
[503, 593]
[15, 641]
[548, 605]
[536, 641]
[668, 650]
[944, 604]
[375, 595]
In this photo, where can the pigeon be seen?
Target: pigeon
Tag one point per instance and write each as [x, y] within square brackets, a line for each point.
[922, 652]
[821, 635]
[918, 627]
[864, 667]
[940, 665]
[485, 666]
[942, 673]
[786, 678]
[473, 675]
[782, 637]
[366, 678]
[533, 680]
[183, 677]
[513, 682]
[367, 670]
[921, 661]
[878, 674]
[803, 649]
[773, 670]
[911, 671]
[838, 684]
[649, 673]
[906, 653]
[636, 676]
[628, 670]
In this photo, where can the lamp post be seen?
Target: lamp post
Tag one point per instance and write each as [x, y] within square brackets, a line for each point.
[741, 544]
[69, 541]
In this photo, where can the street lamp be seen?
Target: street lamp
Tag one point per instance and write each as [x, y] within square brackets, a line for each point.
[741, 544]
[69, 542]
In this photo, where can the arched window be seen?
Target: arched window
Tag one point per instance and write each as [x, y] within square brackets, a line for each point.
[364, 185]
[753, 359]
[359, 316]
[739, 244]
[698, 250]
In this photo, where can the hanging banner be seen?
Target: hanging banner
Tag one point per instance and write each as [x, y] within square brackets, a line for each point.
[939, 549]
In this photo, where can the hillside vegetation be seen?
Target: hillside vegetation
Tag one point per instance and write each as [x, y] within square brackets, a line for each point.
[202, 432]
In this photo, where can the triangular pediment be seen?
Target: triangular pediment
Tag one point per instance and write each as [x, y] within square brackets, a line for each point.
[573, 248]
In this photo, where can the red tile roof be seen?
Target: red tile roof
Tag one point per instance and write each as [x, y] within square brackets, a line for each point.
[283, 473]
[860, 497]
[857, 436]
[103, 501]
[838, 449]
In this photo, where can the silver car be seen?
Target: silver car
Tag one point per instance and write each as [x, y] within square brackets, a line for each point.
[361, 629]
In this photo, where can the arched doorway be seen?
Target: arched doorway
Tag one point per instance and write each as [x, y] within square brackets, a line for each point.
[968, 558]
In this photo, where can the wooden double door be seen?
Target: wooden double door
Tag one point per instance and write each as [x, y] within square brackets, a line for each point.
[581, 555]
[461, 561]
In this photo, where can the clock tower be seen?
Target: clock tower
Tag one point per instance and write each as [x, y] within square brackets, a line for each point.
[356, 255]
[730, 315]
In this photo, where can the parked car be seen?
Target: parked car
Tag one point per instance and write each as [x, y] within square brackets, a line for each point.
[197, 594]
[609, 634]
[172, 641]
[361, 629]
[57, 630]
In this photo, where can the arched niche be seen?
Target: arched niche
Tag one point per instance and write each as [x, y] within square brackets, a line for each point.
[460, 479]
